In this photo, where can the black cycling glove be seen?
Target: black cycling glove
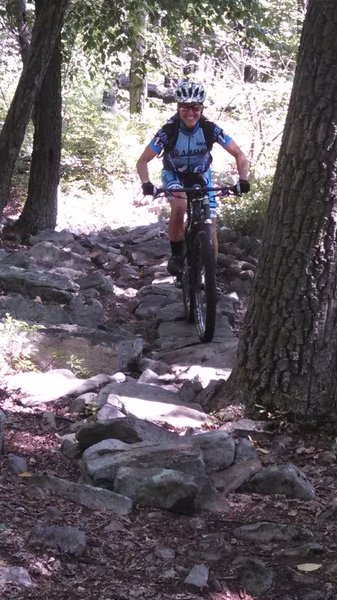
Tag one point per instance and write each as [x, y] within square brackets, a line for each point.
[243, 186]
[148, 188]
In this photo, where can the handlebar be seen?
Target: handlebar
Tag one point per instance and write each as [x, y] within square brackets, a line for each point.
[220, 191]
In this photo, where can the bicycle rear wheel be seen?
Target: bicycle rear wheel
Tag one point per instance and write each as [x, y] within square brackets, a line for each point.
[204, 286]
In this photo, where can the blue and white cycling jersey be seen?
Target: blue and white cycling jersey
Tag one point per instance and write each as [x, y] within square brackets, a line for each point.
[190, 153]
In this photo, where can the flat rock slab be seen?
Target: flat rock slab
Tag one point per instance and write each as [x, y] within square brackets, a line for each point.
[131, 389]
[153, 403]
[97, 351]
[37, 388]
[218, 357]
[160, 412]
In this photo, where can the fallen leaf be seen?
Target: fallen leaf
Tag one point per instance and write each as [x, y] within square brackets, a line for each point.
[308, 567]
[25, 474]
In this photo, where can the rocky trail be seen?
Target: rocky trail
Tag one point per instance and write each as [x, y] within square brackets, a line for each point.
[120, 476]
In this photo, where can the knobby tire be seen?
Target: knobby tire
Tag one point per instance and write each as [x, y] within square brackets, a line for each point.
[203, 283]
[188, 296]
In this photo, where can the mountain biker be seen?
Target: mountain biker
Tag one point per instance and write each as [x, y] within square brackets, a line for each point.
[187, 161]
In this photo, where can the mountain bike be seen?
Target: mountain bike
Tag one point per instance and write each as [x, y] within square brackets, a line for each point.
[198, 275]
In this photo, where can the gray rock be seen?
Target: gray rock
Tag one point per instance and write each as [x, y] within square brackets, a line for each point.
[255, 576]
[157, 366]
[119, 429]
[164, 553]
[230, 479]
[48, 421]
[189, 391]
[149, 376]
[245, 451]
[19, 259]
[15, 575]
[70, 446]
[83, 402]
[198, 576]
[96, 280]
[217, 449]
[86, 495]
[288, 480]
[265, 532]
[50, 254]
[149, 306]
[37, 283]
[109, 412]
[159, 488]
[68, 540]
[100, 466]
[62, 238]
[311, 550]
[17, 464]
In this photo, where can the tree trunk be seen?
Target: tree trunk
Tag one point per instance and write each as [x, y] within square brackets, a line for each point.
[45, 33]
[288, 350]
[40, 210]
[138, 68]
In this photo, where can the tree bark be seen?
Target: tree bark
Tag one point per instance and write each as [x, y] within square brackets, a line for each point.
[40, 210]
[138, 67]
[45, 33]
[288, 350]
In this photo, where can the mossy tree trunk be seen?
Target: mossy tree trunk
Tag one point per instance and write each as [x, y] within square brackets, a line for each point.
[287, 355]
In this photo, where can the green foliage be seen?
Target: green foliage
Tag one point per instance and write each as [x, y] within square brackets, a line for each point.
[247, 213]
[16, 349]
[100, 149]
[74, 362]
[97, 145]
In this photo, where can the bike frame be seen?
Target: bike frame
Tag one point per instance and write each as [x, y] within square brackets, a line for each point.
[198, 209]
[198, 278]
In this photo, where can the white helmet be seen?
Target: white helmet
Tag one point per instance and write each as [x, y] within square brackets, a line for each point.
[189, 92]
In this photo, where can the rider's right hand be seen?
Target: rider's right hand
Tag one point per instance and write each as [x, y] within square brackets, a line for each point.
[148, 188]
[243, 186]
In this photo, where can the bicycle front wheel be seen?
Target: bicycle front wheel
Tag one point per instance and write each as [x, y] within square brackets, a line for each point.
[188, 296]
[204, 286]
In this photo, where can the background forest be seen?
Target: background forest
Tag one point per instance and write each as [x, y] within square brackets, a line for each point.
[110, 62]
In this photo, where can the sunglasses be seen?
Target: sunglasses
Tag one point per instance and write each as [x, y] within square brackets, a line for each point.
[186, 107]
